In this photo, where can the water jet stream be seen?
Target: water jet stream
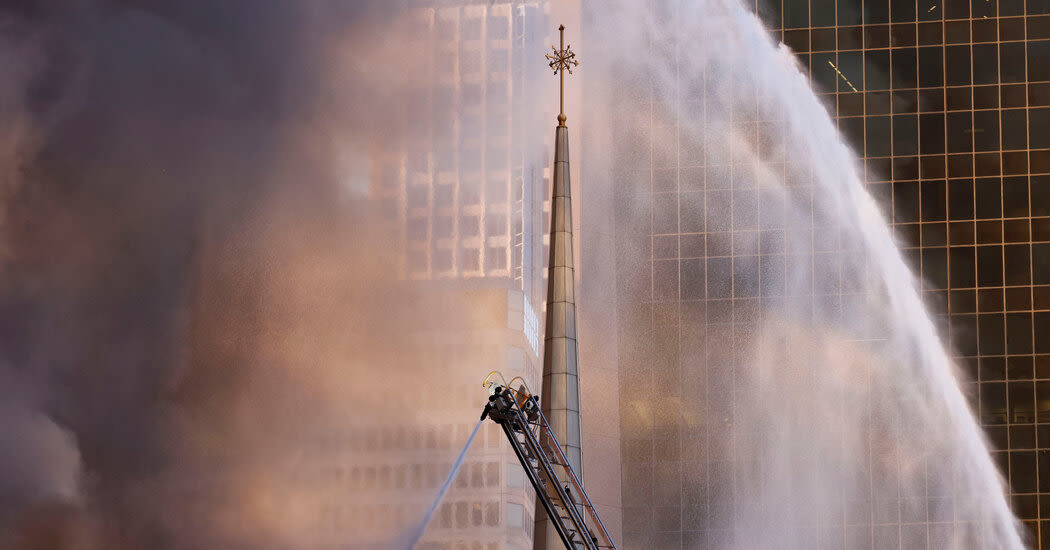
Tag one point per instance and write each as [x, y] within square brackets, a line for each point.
[416, 533]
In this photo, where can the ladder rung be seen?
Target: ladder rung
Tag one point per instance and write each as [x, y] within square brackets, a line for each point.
[539, 453]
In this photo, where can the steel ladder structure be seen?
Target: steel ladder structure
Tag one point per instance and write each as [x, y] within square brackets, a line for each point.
[542, 458]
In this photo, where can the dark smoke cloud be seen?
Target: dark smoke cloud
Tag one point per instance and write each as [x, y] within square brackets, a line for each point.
[184, 269]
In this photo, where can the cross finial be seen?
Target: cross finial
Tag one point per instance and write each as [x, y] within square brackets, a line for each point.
[562, 59]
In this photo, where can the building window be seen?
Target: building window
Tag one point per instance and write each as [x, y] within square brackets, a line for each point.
[515, 515]
[470, 260]
[495, 258]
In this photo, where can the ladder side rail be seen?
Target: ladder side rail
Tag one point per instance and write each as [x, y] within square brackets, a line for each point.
[519, 419]
[545, 427]
[537, 486]
[570, 508]
[533, 440]
[586, 500]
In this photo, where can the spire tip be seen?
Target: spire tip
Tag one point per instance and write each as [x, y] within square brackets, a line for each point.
[561, 60]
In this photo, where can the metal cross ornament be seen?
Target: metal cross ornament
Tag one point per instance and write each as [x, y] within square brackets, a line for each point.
[563, 59]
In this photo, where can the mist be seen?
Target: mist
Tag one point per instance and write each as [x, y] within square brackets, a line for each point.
[783, 385]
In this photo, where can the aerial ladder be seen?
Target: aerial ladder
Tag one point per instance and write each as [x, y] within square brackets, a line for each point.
[557, 485]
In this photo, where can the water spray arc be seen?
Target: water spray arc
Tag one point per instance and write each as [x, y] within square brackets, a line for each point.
[819, 407]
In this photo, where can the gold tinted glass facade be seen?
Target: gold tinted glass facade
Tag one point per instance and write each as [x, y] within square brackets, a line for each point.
[949, 105]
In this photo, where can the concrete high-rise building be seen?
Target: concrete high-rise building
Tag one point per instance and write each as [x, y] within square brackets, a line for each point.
[472, 206]
[466, 196]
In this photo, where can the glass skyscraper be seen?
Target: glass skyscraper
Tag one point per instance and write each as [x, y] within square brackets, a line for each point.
[948, 105]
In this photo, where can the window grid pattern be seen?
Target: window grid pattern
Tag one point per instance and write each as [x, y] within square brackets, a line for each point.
[379, 477]
[466, 200]
[463, 200]
[948, 103]
[948, 106]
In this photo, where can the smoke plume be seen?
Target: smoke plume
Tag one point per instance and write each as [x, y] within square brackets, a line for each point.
[192, 287]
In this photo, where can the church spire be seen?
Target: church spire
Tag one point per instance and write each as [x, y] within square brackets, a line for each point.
[561, 389]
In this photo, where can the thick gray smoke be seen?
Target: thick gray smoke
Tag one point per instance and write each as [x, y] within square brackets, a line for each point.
[190, 285]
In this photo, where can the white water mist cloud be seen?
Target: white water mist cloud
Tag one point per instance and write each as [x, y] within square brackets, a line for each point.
[814, 388]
